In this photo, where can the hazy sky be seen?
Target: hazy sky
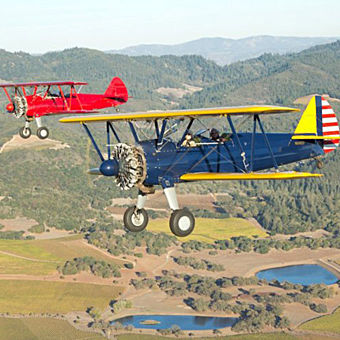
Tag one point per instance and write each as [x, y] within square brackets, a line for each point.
[42, 25]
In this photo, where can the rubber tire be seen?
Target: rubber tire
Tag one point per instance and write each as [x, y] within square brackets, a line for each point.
[174, 222]
[39, 132]
[22, 133]
[319, 164]
[128, 220]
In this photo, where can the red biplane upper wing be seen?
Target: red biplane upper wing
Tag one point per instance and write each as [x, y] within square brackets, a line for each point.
[43, 83]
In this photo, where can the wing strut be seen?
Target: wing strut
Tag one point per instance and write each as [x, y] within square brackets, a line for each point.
[93, 142]
[243, 154]
[267, 142]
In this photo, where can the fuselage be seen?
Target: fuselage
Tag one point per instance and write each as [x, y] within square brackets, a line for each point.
[39, 106]
[170, 161]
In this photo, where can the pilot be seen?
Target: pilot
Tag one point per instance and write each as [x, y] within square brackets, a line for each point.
[215, 136]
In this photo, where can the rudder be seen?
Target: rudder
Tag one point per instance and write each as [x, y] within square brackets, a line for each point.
[319, 122]
[117, 90]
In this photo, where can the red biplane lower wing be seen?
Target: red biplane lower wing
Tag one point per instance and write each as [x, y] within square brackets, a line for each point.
[67, 112]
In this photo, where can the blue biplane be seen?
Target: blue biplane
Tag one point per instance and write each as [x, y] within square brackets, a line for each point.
[164, 160]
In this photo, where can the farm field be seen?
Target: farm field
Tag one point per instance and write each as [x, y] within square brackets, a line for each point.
[41, 329]
[328, 323]
[41, 257]
[210, 229]
[11, 264]
[53, 297]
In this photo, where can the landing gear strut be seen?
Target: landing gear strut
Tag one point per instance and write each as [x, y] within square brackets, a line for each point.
[182, 221]
[42, 131]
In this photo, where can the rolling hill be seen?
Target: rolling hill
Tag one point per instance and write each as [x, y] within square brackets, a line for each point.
[226, 51]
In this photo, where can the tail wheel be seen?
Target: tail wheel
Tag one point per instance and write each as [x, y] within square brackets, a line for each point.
[25, 132]
[42, 132]
[182, 222]
[135, 220]
[319, 164]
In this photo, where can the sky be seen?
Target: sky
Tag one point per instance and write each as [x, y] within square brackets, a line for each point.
[38, 26]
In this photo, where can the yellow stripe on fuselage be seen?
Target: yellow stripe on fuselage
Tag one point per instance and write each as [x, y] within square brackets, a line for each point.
[208, 176]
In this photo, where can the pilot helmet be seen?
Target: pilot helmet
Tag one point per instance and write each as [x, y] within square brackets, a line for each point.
[214, 133]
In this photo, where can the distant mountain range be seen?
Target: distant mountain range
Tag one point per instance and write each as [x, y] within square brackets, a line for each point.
[225, 51]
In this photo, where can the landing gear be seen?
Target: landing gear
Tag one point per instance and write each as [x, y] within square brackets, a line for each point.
[319, 163]
[182, 222]
[135, 220]
[42, 132]
[25, 132]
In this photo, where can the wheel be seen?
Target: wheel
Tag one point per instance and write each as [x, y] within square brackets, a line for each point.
[319, 164]
[182, 222]
[42, 132]
[25, 132]
[135, 219]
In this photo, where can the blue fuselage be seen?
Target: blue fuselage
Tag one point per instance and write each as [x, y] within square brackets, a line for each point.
[170, 161]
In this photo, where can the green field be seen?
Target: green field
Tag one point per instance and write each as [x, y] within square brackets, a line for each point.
[210, 229]
[42, 329]
[14, 265]
[53, 297]
[329, 323]
[41, 257]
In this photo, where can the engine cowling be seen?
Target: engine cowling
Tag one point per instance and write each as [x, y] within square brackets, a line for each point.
[131, 165]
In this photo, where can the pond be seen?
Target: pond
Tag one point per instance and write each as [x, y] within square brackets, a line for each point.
[185, 322]
[305, 274]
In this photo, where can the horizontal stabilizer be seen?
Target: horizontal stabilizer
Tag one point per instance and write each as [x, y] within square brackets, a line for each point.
[94, 171]
[211, 176]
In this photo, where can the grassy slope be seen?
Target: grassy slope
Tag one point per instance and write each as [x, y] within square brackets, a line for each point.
[329, 323]
[53, 297]
[41, 329]
[209, 229]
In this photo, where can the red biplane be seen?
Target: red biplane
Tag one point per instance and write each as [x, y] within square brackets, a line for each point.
[37, 99]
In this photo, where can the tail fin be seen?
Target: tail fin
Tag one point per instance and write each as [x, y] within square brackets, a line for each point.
[117, 90]
[319, 122]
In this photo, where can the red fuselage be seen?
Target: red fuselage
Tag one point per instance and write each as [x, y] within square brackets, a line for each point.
[38, 106]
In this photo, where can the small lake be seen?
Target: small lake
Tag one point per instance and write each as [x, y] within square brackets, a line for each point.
[185, 322]
[305, 274]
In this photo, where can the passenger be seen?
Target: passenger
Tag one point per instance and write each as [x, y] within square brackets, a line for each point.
[189, 141]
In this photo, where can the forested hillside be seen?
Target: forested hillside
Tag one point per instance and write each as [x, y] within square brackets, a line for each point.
[51, 185]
